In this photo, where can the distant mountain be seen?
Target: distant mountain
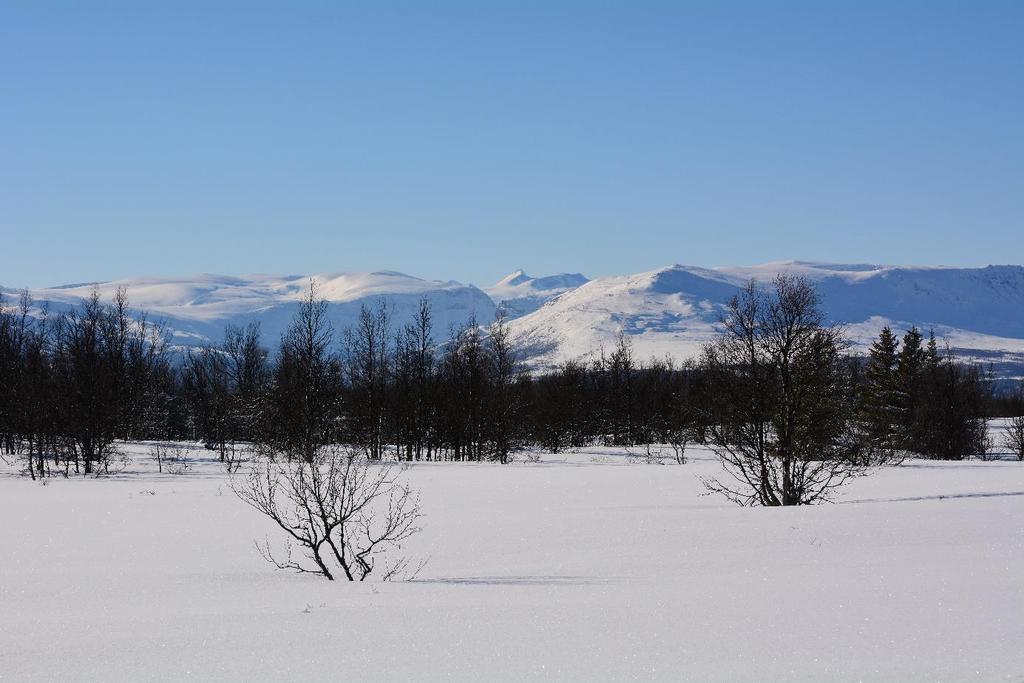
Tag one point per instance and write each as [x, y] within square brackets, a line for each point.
[519, 294]
[671, 310]
[675, 309]
[196, 309]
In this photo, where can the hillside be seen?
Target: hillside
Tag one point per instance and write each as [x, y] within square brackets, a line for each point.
[674, 309]
[519, 294]
[670, 310]
[197, 309]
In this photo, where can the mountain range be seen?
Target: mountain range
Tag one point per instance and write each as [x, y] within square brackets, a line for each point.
[670, 310]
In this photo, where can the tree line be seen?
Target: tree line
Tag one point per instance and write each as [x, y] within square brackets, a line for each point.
[918, 398]
[76, 383]
[776, 394]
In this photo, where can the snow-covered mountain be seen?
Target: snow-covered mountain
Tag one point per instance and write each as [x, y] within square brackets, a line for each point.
[519, 294]
[198, 308]
[671, 310]
[674, 309]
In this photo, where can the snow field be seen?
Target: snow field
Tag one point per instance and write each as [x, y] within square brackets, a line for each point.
[579, 567]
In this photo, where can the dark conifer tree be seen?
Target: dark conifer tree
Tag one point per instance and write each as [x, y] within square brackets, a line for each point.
[910, 372]
[880, 393]
[951, 416]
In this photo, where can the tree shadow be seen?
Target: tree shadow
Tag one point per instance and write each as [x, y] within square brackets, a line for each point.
[516, 580]
[941, 496]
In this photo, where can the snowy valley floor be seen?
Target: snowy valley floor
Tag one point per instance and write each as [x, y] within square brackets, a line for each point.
[580, 567]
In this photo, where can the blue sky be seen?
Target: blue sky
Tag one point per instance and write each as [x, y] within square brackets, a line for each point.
[467, 139]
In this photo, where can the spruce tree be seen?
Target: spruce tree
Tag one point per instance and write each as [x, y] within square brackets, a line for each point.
[880, 393]
[951, 417]
[909, 371]
[932, 356]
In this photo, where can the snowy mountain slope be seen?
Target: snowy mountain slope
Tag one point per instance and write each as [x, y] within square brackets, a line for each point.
[197, 309]
[988, 300]
[519, 294]
[675, 309]
[671, 310]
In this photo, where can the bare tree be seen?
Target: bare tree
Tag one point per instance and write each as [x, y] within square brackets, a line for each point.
[369, 370]
[505, 409]
[207, 385]
[621, 371]
[781, 419]
[304, 406]
[343, 513]
[225, 387]
[27, 413]
[106, 366]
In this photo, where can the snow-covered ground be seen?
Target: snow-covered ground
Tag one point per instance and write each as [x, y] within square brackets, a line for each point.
[578, 567]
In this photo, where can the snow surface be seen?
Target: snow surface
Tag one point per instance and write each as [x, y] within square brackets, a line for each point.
[579, 567]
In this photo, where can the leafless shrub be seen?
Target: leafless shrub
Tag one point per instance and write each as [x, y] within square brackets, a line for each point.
[178, 463]
[339, 511]
[233, 455]
[172, 456]
[651, 455]
[678, 440]
[1014, 437]
[113, 461]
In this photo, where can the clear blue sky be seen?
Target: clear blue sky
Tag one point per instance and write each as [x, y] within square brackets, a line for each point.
[464, 140]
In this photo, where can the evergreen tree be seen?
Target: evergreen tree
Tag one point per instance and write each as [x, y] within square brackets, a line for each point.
[910, 367]
[880, 400]
[952, 422]
[932, 357]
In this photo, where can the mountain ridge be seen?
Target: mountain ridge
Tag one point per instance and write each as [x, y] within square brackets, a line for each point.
[673, 309]
[519, 294]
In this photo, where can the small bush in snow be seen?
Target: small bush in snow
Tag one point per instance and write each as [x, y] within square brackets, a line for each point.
[172, 456]
[344, 514]
[651, 455]
[1014, 438]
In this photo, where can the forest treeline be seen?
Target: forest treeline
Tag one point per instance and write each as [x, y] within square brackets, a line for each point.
[77, 383]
